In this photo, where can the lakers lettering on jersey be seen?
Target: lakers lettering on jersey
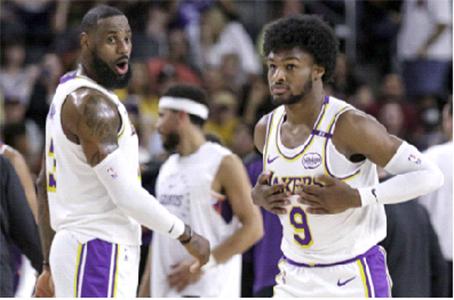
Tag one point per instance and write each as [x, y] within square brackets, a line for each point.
[320, 239]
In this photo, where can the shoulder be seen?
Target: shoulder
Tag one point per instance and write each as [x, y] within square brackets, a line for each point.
[89, 108]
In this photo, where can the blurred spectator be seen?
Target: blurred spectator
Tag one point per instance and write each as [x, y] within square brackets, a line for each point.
[176, 63]
[429, 118]
[151, 41]
[345, 81]
[222, 35]
[364, 99]
[43, 90]
[257, 102]
[243, 142]
[378, 22]
[17, 227]
[439, 203]
[425, 46]
[15, 79]
[391, 115]
[223, 118]
[37, 17]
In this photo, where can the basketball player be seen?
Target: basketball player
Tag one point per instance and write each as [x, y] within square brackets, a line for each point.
[190, 185]
[320, 157]
[96, 202]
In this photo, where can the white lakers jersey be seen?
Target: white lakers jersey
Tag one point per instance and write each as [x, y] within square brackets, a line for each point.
[78, 202]
[321, 239]
[184, 188]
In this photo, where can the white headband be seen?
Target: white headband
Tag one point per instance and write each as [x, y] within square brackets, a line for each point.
[184, 104]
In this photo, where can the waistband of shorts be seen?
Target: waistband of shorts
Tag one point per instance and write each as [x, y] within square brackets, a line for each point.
[343, 262]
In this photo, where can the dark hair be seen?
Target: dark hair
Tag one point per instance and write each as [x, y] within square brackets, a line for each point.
[307, 32]
[91, 18]
[190, 92]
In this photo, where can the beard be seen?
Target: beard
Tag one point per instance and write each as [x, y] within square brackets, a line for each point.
[171, 142]
[292, 99]
[106, 77]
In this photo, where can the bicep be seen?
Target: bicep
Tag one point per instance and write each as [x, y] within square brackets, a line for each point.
[260, 133]
[95, 120]
[363, 134]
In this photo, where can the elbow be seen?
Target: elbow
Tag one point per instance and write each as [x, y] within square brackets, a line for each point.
[438, 179]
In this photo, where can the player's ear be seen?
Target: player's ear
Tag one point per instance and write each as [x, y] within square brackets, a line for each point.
[317, 72]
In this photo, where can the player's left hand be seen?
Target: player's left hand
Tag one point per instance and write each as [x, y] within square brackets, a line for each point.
[181, 276]
[335, 196]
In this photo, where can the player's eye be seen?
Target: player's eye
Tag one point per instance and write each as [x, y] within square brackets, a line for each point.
[272, 67]
[290, 67]
[111, 39]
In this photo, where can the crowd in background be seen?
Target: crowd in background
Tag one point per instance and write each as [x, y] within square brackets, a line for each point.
[217, 45]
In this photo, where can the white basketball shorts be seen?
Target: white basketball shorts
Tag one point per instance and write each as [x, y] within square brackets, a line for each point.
[94, 269]
[363, 276]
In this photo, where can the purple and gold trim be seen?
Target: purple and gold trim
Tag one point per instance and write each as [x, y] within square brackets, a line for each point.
[310, 139]
[269, 124]
[325, 149]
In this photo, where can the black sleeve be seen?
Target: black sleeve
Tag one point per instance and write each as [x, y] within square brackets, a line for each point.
[23, 229]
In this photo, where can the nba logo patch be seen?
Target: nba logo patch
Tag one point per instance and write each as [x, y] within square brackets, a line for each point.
[413, 158]
[311, 160]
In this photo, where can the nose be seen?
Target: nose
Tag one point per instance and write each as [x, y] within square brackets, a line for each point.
[279, 75]
[123, 47]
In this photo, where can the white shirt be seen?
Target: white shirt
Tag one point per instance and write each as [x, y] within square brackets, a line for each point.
[439, 203]
[418, 23]
[184, 187]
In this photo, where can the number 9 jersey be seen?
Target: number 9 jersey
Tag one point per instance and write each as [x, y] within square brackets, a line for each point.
[321, 239]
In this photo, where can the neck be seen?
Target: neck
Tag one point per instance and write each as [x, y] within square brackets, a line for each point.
[191, 140]
[307, 110]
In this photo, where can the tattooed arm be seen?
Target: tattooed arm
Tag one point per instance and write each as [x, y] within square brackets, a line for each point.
[92, 120]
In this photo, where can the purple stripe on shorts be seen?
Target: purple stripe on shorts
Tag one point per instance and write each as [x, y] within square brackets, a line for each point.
[79, 268]
[376, 261]
[95, 280]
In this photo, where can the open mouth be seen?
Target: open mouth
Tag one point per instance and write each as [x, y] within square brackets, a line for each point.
[122, 67]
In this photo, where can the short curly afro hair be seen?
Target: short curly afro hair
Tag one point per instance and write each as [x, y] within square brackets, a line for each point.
[307, 32]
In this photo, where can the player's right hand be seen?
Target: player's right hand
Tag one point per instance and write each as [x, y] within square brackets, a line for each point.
[44, 285]
[271, 197]
[199, 247]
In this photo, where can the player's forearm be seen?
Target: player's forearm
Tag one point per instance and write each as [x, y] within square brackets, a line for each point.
[415, 176]
[127, 193]
[45, 231]
[241, 240]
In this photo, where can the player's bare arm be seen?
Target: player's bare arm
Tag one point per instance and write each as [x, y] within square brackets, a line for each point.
[270, 197]
[360, 135]
[231, 178]
[44, 285]
[91, 120]
[94, 122]
[22, 170]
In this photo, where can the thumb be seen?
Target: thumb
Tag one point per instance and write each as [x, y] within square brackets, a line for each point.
[325, 180]
[264, 177]
[195, 266]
